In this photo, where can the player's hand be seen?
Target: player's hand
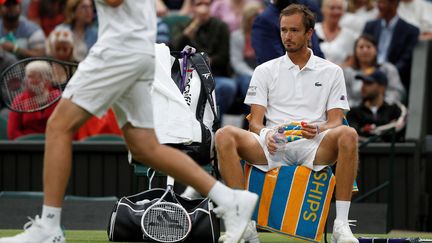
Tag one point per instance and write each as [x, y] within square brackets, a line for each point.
[368, 128]
[272, 146]
[309, 130]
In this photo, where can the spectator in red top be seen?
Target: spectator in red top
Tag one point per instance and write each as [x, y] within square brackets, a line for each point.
[37, 89]
[47, 13]
[107, 124]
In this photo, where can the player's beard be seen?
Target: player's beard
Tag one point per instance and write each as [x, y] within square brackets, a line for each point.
[294, 49]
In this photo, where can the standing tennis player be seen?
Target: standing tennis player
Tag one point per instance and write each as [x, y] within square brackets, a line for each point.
[119, 72]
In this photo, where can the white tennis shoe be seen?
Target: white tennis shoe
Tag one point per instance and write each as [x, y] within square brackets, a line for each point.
[342, 233]
[250, 235]
[237, 214]
[36, 232]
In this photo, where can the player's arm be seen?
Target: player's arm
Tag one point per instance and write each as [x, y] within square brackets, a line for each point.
[256, 118]
[334, 119]
[256, 125]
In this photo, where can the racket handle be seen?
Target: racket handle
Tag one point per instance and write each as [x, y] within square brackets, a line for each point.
[170, 181]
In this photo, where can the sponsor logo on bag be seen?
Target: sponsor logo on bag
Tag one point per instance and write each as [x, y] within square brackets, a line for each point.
[164, 220]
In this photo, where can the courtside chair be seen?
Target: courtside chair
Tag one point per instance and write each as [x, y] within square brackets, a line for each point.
[3, 129]
[104, 137]
[32, 137]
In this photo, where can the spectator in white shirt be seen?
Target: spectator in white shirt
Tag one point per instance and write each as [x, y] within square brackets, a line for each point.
[357, 14]
[419, 14]
[337, 42]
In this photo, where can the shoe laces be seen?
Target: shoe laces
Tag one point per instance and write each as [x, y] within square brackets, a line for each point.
[352, 222]
[32, 223]
[345, 225]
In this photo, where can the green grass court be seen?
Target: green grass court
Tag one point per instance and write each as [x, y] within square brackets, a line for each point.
[83, 236]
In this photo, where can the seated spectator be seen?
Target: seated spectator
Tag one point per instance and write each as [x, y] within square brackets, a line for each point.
[396, 38]
[230, 11]
[266, 39]
[46, 13]
[38, 78]
[60, 45]
[242, 54]
[107, 124]
[79, 19]
[336, 42]
[18, 35]
[364, 60]
[374, 115]
[357, 14]
[210, 35]
[417, 13]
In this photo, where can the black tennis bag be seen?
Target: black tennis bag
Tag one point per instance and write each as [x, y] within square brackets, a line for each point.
[125, 221]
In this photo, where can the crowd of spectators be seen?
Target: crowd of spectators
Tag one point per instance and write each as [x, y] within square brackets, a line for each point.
[358, 35]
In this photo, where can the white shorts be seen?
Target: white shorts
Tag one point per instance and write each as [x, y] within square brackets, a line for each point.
[300, 152]
[108, 78]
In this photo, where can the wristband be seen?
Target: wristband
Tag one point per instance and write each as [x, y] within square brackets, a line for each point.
[263, 133]
[317, 130]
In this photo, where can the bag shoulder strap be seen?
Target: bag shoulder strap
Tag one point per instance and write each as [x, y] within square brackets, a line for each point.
[203, 69]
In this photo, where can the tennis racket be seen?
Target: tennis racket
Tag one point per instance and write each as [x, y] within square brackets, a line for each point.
[33, 84]
[166, 221]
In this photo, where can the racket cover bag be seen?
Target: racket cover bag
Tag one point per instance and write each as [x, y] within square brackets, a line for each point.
[125, 220]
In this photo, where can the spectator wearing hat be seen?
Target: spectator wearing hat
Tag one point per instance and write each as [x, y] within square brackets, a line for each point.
[18, 35]
[374, 115]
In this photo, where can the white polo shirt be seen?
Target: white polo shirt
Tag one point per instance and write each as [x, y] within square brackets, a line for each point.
[130, 27]
[291, 94]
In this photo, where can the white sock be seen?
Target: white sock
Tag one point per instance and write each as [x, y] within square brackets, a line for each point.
[342, 210]
[51, 216]
[220, 193]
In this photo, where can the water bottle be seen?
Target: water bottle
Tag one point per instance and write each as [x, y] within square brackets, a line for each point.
[280, 139]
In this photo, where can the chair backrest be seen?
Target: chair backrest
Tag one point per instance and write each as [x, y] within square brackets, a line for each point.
[174, 20]
[33, 136]
[3, 129]
[104, 137]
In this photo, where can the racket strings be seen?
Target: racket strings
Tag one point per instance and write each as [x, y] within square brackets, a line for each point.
[34, 85]
[166, 222]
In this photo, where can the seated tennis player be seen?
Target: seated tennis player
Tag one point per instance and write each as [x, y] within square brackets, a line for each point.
[296, 87]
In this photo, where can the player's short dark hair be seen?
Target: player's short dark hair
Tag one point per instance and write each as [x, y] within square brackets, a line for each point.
[308, 16]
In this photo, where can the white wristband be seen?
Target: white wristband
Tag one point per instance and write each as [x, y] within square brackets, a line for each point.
[263, 133]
